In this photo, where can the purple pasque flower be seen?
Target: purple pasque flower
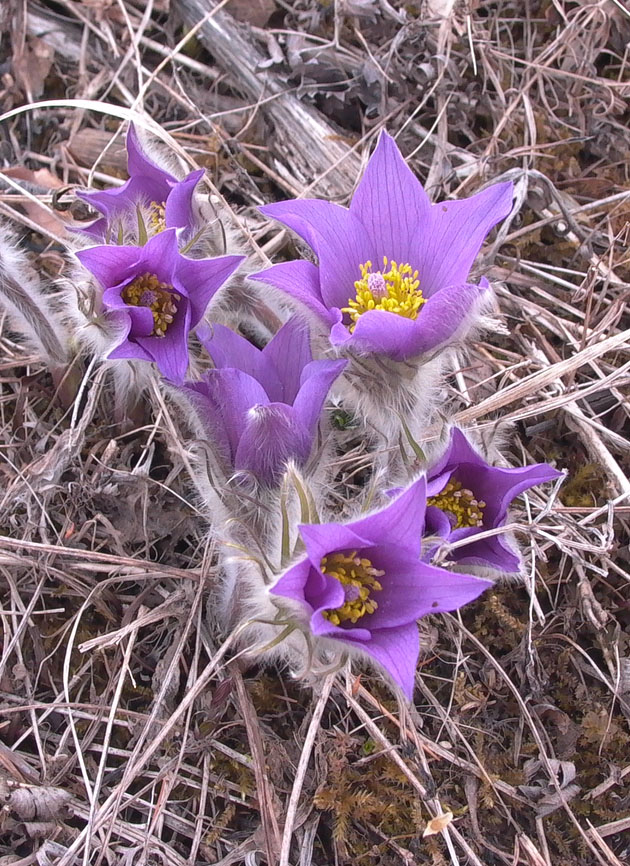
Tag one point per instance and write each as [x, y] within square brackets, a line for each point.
[364, 585]
[262, 407]
[164, 201]
[392, 269]
[466, 496]
[155, 296]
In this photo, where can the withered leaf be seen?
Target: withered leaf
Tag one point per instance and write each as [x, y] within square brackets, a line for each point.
[554, 800]
[39, 804]
[437, 824]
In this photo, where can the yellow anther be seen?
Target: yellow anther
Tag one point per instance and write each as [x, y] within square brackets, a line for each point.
[395, 289]
[157, 217]
[358, 577]
[461, 503]
[148, 291]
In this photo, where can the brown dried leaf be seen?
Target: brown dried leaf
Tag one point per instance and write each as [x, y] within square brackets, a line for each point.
[43, 804]
[32, 65]
[554, 800]
[42, 177]
[253, 12]
[437, 824]
[41, 180]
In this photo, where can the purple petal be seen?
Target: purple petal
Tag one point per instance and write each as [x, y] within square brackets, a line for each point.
[293, 582]
[437, 483]
[317, 592]
[111, 202]
[322, 627]
[459, 450]
[289, 352]
[200, 279]
[209, 402]
[449, 240]
[401, 523]
[441, 319]
[317, 379]
[179, 212]
[391, 204]
[494, 551]
[412, 589]
[495, 485]
[338, 238]
[498, 486]
[229, 349]
[160, 256]
[396, 650]
[140, 319]
[299, 280]
[130, 350]
[272, 434]
[232, 393]
[111, 265]
[170, 352]
[322, 539]
[322, 592]
[139, 164]
[125, 348]
[96, 230]
[437, 522]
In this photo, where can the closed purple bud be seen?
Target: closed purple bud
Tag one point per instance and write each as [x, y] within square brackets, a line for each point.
[262, 407]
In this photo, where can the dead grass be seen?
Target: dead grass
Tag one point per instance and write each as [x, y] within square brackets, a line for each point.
[130, 733]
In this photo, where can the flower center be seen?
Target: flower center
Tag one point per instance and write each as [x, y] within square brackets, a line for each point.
[395, 290]
[148, 291]
[461, 503]
[157, 216]
[358, 579]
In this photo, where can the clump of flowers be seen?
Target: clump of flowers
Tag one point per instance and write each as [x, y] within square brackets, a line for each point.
[307, 569]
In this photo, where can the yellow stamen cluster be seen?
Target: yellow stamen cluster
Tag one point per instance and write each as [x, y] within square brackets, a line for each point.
[148, 291]
[359, 576]
[461, 503]
[395, 289]
[157, 217]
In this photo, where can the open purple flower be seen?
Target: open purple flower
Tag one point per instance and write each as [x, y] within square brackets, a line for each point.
[392, 269]
[363, 584]
[164, 201]
[262, 407]
[155, 296]
[466, 496]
